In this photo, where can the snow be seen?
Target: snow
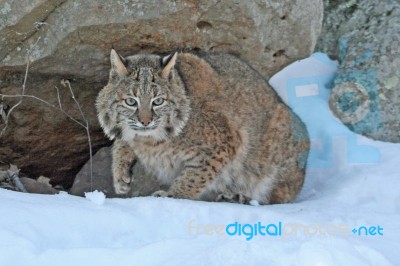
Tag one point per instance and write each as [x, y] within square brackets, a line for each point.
[352, 183]
[254, 203]
[96, 197]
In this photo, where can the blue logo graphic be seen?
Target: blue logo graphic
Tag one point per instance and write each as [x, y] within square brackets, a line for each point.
[251, 230]
[368, 231]
[281, 230]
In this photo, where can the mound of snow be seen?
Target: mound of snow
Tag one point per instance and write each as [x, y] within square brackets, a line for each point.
[96, 197]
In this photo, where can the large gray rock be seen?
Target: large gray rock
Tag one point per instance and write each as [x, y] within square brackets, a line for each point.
[71, 39]
[144, 184]
[76, 36]
[365, 37]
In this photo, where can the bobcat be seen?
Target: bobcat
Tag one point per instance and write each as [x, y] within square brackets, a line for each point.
[210, 128]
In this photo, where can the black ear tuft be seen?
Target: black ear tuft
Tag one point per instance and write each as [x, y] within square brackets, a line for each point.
[165, 60]
[123, 60]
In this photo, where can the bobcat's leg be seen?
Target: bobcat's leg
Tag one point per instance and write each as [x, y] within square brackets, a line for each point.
[123, 159]
[203, 164]
[189, 184]
[198, 173]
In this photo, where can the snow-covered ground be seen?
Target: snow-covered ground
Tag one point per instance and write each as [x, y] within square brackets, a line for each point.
[346, 214]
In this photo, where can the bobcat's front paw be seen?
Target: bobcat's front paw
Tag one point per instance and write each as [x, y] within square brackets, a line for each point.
[122, 184]
[233, 198]
[161, 194]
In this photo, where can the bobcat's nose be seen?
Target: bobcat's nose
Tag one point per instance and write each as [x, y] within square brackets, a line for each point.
[145, 121]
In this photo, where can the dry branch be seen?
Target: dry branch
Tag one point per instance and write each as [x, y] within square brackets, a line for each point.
[9, 178]
[5, 115]
[14, 177]
[66, 83]
[84, 124]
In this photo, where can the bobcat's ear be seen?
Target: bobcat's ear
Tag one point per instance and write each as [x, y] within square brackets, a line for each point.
[169, 63]
[117, 64]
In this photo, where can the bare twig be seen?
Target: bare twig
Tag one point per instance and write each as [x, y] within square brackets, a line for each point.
[84, 124]
[42, 101]
[58, 98]
[68, 84]
[11, 175]
[3, 109]
[7, 116]
[14, 177]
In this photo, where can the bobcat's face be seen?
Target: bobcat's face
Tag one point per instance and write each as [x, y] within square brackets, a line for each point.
[143, 98]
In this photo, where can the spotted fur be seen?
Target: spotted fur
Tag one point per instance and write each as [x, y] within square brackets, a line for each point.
[209, 127]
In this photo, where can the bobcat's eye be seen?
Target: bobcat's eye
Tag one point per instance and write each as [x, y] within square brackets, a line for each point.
[158, 101]
[130, 101]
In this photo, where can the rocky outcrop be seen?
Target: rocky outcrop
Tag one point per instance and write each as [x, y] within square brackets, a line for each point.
[365, 37]
[76, 36]
[72, 40]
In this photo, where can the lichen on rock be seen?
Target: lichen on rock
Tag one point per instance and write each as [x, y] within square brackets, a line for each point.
[365, 37]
